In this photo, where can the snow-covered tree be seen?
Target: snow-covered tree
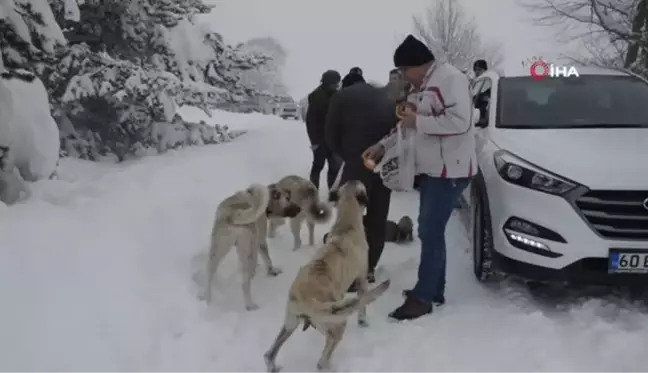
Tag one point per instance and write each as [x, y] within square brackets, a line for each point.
[453, 35]
[267, 79]
[130, 65]
[613, 32]
[29, 143]
[29, 36]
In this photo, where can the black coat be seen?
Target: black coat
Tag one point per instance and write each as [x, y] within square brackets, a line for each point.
[358, 117]
[318, 106]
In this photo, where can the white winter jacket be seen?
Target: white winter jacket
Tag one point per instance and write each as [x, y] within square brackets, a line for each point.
[445, 138]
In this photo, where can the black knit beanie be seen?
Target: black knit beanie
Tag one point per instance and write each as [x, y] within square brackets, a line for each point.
[412, 52]
[351, 79]
[330, 77]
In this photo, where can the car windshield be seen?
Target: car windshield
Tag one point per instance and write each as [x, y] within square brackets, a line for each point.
[587, 101]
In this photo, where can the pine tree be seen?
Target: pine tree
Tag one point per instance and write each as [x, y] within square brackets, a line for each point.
[29, 37]
[125, 66]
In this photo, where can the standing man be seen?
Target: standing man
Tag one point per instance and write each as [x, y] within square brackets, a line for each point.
[445, 162]
[359, 116]
[350, 77]
[480, 67]
[318, 106]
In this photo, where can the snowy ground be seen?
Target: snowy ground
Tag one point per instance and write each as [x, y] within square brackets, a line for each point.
[97, 273]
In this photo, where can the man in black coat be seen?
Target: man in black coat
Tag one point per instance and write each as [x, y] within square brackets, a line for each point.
[359, 116]
[318, 106]
[350, 76]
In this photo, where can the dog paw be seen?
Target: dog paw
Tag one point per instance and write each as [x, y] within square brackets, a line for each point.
[324, 367]
[274, 271]
[363, 323]
[251, 307]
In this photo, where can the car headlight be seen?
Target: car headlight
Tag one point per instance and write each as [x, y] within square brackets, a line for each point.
[517, 171]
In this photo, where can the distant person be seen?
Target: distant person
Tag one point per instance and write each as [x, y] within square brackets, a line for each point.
[360, 115]
[349, 78]
[318, 106]
[480, 67]
[481, 100]
[446, 161]
[356, 70]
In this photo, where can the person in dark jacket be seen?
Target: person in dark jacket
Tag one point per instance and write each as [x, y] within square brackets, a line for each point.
[350, 78]
[359, 116]
[480, 67]
[318, 106]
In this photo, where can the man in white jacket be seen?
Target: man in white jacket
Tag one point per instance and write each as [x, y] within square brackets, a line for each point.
[445, 162]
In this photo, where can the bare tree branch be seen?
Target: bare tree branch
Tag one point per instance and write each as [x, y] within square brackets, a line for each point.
[453, 36]
[614, 33]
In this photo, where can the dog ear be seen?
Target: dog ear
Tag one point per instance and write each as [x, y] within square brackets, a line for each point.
[334, 196]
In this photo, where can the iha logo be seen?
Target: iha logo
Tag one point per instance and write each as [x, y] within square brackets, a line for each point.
[539, 70]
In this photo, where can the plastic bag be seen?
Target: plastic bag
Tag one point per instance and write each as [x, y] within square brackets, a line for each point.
[397, 167]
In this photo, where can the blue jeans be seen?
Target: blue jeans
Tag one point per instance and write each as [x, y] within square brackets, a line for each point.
[438, 198]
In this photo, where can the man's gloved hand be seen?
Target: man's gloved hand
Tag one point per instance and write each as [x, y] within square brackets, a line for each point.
[314, 147]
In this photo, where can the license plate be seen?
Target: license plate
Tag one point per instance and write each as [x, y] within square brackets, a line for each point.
[628, 261]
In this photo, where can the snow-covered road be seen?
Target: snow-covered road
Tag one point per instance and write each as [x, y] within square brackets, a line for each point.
[98, 272]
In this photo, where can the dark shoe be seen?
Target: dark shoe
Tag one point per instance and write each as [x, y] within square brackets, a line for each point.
[354, 288]
[438, 301]
[411, 309]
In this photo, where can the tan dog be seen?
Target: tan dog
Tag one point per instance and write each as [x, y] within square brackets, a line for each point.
[316, 297]
[304, 194]
[241, 221]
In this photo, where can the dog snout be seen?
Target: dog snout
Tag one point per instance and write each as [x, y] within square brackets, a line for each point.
[292, 211]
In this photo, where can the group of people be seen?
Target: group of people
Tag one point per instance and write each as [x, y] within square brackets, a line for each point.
[356, 121]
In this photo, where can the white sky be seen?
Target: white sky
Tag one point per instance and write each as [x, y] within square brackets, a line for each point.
[340, 34]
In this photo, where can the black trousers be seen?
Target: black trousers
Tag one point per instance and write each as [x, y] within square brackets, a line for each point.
[323, 155]
[375, 218]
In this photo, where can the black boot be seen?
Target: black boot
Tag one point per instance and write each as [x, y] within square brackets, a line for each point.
[437, 300]
[411, 309]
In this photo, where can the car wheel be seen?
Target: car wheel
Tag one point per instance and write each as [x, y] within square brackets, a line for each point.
[482, 237]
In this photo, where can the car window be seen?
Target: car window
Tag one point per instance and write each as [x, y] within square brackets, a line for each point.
[588, 100]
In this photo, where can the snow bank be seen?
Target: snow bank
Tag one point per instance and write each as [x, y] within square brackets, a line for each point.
[96, 274]
[234, 121]
[31, 134]
[29, 138]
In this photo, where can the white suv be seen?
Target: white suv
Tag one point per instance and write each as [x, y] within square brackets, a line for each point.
[562, 192]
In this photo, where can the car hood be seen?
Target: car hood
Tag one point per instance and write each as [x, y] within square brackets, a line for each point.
[614, 158]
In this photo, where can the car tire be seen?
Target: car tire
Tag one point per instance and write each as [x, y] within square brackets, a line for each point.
[482, 236]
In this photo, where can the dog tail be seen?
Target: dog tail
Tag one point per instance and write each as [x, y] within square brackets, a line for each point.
[260, 197]
[318, 211]
[339, 311]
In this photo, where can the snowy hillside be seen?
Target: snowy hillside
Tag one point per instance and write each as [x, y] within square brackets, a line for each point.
[98, 273]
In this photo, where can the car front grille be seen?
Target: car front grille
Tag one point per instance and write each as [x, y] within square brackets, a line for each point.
[616, 214]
